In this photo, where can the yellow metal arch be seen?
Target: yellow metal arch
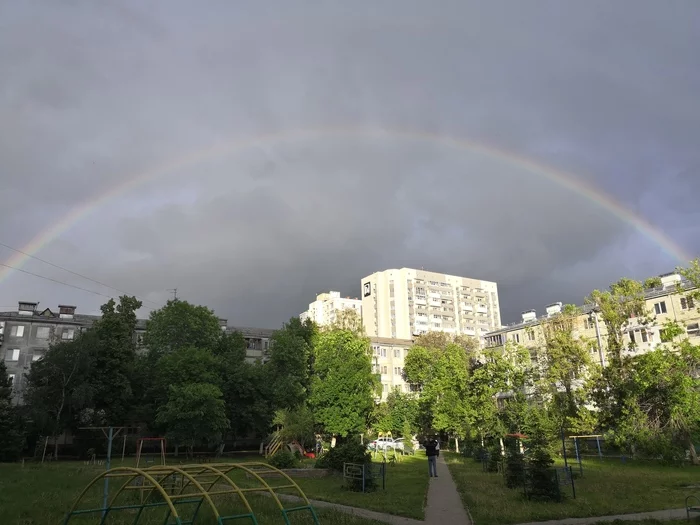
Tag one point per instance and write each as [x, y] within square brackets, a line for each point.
[120, 472]
[193, 477]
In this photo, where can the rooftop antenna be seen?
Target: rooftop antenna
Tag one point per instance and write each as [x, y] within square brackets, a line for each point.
[174, 291]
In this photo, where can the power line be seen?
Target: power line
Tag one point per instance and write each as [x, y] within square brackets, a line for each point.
[72, 272]
[60, 282]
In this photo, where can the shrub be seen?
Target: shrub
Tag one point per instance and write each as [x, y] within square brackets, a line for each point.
[350, 452]
[515, 468]
[494, 458]
[283, 459]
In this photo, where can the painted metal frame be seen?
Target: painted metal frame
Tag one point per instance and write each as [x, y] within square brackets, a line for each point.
[192, 484]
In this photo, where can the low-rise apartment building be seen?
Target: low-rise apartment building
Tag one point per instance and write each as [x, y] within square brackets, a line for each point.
[388, 357]
[27, 333]
[663, 304]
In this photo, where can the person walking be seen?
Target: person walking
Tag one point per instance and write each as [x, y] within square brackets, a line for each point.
[432, 451]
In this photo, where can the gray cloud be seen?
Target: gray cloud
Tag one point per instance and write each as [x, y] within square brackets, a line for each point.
[93, 94]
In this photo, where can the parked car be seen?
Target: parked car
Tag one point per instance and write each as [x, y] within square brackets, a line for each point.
[383, 443]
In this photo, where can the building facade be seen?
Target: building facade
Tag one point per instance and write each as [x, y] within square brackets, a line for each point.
[324, 310]
[403, 303]
[665, 303]
[388, 356]
[27, 333]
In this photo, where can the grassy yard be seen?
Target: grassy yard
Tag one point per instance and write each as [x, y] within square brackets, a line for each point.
[40, 495]
[405, 493]
[606, 488]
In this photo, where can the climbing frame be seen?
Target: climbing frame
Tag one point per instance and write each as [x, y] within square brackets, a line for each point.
[189, 495]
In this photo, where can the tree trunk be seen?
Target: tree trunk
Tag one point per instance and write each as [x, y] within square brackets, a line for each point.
[333, 440]
[58, 422]
[691, 448]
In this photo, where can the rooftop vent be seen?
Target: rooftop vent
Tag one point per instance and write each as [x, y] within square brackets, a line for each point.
[670, 279]
[529, 315]
[66, 311]
[553, 309]
[26, 308]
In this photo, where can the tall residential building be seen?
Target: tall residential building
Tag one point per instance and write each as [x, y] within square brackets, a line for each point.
[402, 303]
[324, 309]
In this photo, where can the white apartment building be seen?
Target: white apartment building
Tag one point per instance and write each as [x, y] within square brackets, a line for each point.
[402, 303]
[324, 309]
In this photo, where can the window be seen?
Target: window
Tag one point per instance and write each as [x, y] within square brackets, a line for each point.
[660, 308]
[42, 332]
[384, 369]
[693, 330]
[17, 331]
[12, 380]
[397, 352]
[632, 337]
[531, 335]
[383, 352]
[516, 338]
[588, 324]
[397, 370]
[645, 337]
[687, 303]
[13, 354]
[37, 356]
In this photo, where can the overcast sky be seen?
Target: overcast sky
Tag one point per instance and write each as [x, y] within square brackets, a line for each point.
[94, 93]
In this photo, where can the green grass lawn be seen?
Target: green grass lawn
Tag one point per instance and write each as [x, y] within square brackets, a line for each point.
[606, 488]
[41, 494]
[405, 493]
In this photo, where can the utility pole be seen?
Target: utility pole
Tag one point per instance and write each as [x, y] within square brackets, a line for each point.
[174, 291]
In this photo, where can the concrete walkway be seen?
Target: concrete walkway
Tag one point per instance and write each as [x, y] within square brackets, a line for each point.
[444, 504]
[661, 515]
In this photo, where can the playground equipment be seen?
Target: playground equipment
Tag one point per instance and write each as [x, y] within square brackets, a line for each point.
[150, 456]
[176, 495]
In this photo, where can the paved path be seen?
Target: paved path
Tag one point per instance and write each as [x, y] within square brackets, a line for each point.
[661, 515]
[444, 504]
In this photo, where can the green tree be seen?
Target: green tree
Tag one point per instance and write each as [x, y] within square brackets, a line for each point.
[652, 282]
[12, 428]
[180, 324]
[290, 364]
[348, 319]
[113, 360]
[664, 400]
[343, 384]
[195, 414]
[692, 275]
[56, 387]
[296, 425]
[566, 361]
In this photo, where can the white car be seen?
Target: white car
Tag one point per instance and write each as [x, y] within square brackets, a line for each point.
[383, 443]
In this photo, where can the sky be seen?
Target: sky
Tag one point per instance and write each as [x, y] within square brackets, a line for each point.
[297, 146]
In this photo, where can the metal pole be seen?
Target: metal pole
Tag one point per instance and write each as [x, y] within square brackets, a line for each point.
[578, 456]
[563, 447]
[124, 447]
[106, 489]
[597, 442]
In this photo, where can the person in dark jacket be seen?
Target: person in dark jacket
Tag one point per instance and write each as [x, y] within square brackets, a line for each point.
[432, 451]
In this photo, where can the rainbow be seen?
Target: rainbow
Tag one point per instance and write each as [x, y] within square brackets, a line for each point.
[561, 178]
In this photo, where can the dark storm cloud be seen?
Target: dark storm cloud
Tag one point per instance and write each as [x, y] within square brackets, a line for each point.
[92, 94]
